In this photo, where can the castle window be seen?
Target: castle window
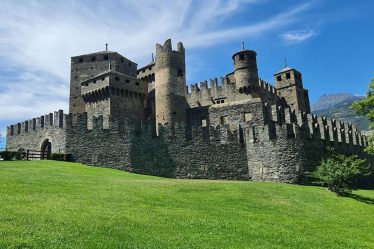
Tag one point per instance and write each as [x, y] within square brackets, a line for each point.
[116, 78]
[150, 68]
[94, 81]
[180, 72]
[80, 59]
[248, 116]
[288, 76]
[93, 58]
[105, 57]
[129, 64]
[204, 123]
[127, 81]
[103, 78]
[241, 57]
[137, 83]
[122, 60]
[279, 78]
[224, 120]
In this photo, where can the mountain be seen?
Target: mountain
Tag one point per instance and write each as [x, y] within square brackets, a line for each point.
[337, 106]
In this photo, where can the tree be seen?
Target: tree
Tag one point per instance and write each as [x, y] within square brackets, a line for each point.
[365, 106]
[339, 172]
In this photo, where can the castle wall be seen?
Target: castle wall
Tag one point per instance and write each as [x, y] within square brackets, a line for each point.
[207, 94]
[30, 135]
[295, 142]
[176, 152]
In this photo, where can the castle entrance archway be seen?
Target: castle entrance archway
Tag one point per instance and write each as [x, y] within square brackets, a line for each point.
[46, 149]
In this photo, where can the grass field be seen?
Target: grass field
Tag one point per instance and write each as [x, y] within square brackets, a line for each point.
[49, 204]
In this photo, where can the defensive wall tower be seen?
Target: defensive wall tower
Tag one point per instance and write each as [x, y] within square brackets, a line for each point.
[245, 69]
[87, 66]
[170, 86]
[114, 94]
[289, 84]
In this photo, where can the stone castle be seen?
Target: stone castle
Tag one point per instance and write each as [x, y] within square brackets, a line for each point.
[148, 121]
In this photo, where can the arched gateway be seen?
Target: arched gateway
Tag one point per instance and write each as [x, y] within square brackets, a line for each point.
[46, 149]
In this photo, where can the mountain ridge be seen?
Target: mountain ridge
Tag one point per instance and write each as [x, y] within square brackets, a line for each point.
[337, 106]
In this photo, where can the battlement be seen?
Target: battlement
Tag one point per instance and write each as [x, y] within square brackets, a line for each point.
[215, 92]
[325, 129]
[52, 120]
[167, 47]
[267, 87]
[169, 132]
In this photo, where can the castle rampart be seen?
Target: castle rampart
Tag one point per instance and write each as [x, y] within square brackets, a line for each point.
[30, 134]
[206, 94]
[179, 151]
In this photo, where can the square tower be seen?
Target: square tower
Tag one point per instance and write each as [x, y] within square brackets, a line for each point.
[114, 94]
[289, 85]
[84, 67]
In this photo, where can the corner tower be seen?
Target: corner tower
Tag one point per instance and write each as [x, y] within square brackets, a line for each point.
[289, 85]
[245, 69]
[170, 86]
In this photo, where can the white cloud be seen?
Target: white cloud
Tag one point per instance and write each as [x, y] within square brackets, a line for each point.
[38, 37]
[293, 37]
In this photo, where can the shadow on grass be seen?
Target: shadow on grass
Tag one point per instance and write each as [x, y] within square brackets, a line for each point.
[308, 179]
[359, 198]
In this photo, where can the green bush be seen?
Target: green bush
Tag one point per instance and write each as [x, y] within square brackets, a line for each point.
[60, 157]
[340, 172]
[20, 154]
[10, 155]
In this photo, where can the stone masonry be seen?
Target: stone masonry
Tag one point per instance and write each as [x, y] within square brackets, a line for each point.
[147, 121]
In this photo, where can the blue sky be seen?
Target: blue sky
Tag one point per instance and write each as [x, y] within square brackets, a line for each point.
[330, 42]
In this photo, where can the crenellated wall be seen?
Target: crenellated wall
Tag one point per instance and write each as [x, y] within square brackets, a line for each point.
[278, 147]
[291, 143]
[31, 134]
[206, 94]
[180, 152]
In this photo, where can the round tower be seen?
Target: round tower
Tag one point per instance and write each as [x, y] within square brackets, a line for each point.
[170, 84]
[245, 69]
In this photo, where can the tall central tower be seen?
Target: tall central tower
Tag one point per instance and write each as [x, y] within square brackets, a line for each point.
[170, 86]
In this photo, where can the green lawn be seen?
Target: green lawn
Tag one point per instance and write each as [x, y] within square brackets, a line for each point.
[49, 204]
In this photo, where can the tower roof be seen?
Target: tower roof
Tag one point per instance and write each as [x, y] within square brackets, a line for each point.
[104, 74]
[96, 53]
[285, 69]
[244, 52]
